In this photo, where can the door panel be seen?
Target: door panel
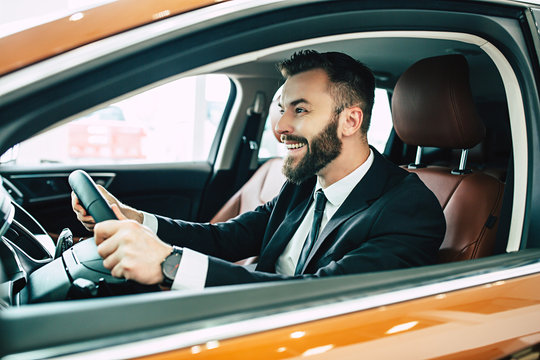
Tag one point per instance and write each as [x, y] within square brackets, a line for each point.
[174, 191]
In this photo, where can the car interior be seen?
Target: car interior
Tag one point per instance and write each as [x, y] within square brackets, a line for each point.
[441, 115]
[444, 129]
[451, 81]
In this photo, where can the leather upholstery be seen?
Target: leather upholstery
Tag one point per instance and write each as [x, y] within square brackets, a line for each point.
[471, 205]
[433, 106]
[262, 187]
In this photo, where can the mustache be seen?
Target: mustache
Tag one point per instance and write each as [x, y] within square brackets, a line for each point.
[293, 138]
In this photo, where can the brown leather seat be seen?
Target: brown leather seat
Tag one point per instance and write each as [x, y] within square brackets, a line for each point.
[262, 187]
[432, 106]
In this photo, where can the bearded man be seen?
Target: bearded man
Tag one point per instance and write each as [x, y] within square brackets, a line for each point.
[344, 209]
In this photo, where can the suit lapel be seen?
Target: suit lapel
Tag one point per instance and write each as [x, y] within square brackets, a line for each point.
[283, 235]
[369, 188]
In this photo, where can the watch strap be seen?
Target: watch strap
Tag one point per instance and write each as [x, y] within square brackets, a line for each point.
[172, 261]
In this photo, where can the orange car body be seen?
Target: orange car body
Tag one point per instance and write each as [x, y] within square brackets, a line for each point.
[486, 322]
[56, 37]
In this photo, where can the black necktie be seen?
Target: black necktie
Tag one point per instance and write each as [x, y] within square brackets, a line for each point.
[320, 202]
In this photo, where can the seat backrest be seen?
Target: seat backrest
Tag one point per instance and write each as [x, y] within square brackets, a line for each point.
[262, 187]
[432, 106]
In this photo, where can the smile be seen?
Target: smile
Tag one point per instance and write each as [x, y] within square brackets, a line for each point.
[295, 146]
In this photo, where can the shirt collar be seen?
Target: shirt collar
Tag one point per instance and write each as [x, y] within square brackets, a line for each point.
[338, 191]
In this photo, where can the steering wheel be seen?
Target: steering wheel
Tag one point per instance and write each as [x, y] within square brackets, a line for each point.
[95, 204]
[80, 267]
[89, 196]
[79, 272]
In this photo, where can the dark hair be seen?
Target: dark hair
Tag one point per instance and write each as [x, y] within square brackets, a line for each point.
[352, 83]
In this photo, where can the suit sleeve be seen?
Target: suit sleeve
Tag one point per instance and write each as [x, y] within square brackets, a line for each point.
[233, 240]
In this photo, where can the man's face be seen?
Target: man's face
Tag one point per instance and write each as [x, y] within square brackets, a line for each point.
[309, 125]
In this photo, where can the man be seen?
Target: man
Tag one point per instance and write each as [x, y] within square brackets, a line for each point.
[370, 215]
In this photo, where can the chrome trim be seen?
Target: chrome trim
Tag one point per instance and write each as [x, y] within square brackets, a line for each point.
[23, 210]
[48, 249]
[8, 221]
[275, 321]
[10, 188]
[37, 200]
[463, 159]
[25, 254]
[53, 175]
[418, 158]
[534, 25]
[520, 3]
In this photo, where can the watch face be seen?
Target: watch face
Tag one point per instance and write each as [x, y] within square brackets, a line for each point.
[170, 265]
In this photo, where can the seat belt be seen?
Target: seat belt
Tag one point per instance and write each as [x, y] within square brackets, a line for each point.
[249, 146]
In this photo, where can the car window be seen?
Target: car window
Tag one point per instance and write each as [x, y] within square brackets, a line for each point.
[381, 121]
[175, 122]
[379, 129]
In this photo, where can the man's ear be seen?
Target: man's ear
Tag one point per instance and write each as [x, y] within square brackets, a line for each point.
[354, 117]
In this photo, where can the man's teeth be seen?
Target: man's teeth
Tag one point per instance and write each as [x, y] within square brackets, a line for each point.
[295, 146]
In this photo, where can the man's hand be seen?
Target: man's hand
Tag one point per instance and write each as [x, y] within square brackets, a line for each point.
[130, 250]
[89, 222]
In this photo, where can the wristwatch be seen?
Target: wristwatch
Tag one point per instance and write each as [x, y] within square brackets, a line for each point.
[169, 266]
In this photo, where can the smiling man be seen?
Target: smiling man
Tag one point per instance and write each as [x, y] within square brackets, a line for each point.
[344, 209]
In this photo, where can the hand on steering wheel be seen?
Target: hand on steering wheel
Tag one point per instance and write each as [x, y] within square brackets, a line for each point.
[83, 216]
[97, 197]
[130, 250]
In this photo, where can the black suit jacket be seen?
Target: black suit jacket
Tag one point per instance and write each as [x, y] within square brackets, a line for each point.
[390, 220]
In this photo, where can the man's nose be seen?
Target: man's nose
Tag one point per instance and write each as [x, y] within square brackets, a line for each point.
[284, 124]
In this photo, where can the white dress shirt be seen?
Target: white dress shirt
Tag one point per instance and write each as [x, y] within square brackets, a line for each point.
[193, 267]
[335, 196]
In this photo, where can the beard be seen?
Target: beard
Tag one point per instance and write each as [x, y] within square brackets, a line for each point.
[325, 147]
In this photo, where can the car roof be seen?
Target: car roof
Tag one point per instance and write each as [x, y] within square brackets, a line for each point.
[24, 48]
[83, 27]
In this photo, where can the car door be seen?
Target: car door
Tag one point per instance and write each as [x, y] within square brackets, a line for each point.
[450, 309]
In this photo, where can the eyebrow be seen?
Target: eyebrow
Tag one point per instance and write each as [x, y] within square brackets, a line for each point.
[295, 102]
